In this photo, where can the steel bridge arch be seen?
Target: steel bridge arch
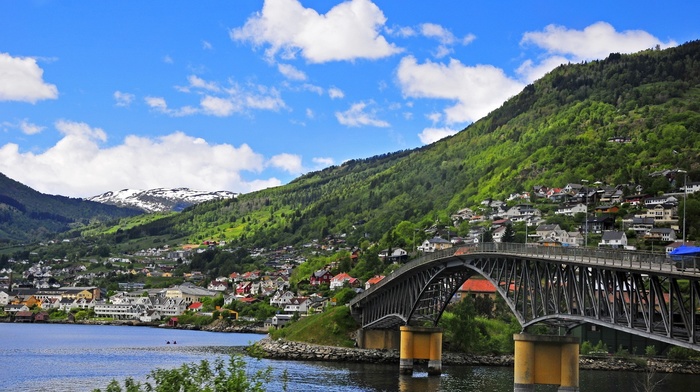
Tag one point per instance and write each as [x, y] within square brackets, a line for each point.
[633, 292]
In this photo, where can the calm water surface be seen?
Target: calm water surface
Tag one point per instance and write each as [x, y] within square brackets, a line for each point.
[57, 358]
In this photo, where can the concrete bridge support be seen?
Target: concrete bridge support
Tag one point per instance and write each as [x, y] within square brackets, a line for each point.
[546, 359]
[421, 343]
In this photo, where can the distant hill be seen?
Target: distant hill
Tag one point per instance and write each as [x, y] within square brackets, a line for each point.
[27, 215]
[616, 120]
[160, 199]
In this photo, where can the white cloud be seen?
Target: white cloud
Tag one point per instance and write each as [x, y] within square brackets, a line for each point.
[288, 162]
[432, 30]
[310, 113]
[348, 31]
[24, 125]
[596, 41]
[219, 101]
[431, 135]
[206, 45]
[21, 79]
[123, 99]
[291, 72]
[79, 166]
[477, 89]
[218, 107]
[322, 162]
[335, 93]
[29, 128]
[199, 83]
[167, 59]
[357, 116]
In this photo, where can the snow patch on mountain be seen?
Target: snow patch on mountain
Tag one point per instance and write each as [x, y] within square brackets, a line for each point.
[160, 199]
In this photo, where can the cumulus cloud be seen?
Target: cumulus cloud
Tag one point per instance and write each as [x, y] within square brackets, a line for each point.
[288, 162]
[360, 115]
[431, 135]
[21, 79]
[348, 31]
[79, 165]
[123, 99]
[596, 41]
[476, 89]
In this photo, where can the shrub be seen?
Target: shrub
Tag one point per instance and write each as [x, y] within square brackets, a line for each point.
[202, 377]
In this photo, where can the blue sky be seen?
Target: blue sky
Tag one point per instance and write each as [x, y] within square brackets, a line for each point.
[244, 95]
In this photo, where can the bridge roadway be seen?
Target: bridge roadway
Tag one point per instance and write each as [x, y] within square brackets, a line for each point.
[641, 293]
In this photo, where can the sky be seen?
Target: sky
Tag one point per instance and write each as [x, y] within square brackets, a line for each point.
[244, 95]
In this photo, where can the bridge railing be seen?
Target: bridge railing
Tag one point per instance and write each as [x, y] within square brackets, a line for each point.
[618, 258]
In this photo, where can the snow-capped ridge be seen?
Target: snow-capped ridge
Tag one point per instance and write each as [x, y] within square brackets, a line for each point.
[160, 199]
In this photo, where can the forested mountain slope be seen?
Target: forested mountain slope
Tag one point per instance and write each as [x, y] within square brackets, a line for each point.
[28, 215]
[616, 120]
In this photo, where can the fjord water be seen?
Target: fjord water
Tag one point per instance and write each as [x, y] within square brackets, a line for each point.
[75, 358]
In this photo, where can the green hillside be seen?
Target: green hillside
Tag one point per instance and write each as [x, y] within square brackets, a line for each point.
[616, 120]
[27, 215]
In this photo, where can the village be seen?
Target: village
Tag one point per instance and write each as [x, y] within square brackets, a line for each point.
[43, 293]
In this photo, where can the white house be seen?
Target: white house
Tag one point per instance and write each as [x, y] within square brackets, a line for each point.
[435, 243]
[298, 304]
[614, 239]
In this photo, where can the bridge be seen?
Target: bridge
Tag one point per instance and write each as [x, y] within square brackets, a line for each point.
[641, 293]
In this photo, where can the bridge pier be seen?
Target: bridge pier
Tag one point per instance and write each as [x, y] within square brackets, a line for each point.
[546, 359]
[421, 343]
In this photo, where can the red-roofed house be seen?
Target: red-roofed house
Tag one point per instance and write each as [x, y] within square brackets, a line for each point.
[339, 281]
[373, 280]
[476, 287]
[195, 307]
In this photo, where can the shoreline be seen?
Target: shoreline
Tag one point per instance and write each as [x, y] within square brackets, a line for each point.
[213, 327]
[297, 351]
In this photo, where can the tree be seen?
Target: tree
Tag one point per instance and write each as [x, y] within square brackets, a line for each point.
[508, 234]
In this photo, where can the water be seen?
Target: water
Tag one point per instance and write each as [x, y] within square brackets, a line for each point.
[76, 358]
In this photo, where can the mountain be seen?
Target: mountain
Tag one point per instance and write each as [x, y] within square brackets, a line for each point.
[27, 215]
[620, 120]
[160, 199]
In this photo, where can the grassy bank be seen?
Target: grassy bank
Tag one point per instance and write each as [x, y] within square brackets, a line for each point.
[330, 328]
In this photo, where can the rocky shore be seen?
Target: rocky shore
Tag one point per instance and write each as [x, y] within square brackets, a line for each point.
[290, 350]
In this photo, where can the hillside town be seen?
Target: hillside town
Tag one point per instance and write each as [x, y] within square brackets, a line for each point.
[56, 289]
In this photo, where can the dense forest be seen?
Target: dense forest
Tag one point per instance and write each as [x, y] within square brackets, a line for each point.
[616, 120]
[27, 215]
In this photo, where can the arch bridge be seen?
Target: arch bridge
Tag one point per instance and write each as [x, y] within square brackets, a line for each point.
[640, 293]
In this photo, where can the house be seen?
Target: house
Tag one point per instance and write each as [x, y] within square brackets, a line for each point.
[476, 287]
[434, 244]
[280, 299]
[661, 213]
[195, 307]
[41, 317]
[24, 316]
[298, 304]
[554, 235]
[320, 277]
[499, 233]
[278, 321]
[607, 209]
[217, 285]
[613, 239]
[373, 280]
[341, 279]
[244, 288]
[397, 254]
[660, 234]
[571, 209]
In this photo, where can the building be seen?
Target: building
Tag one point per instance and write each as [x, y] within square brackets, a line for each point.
[613, 239]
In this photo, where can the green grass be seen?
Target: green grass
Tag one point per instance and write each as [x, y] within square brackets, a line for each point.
[330, 328]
